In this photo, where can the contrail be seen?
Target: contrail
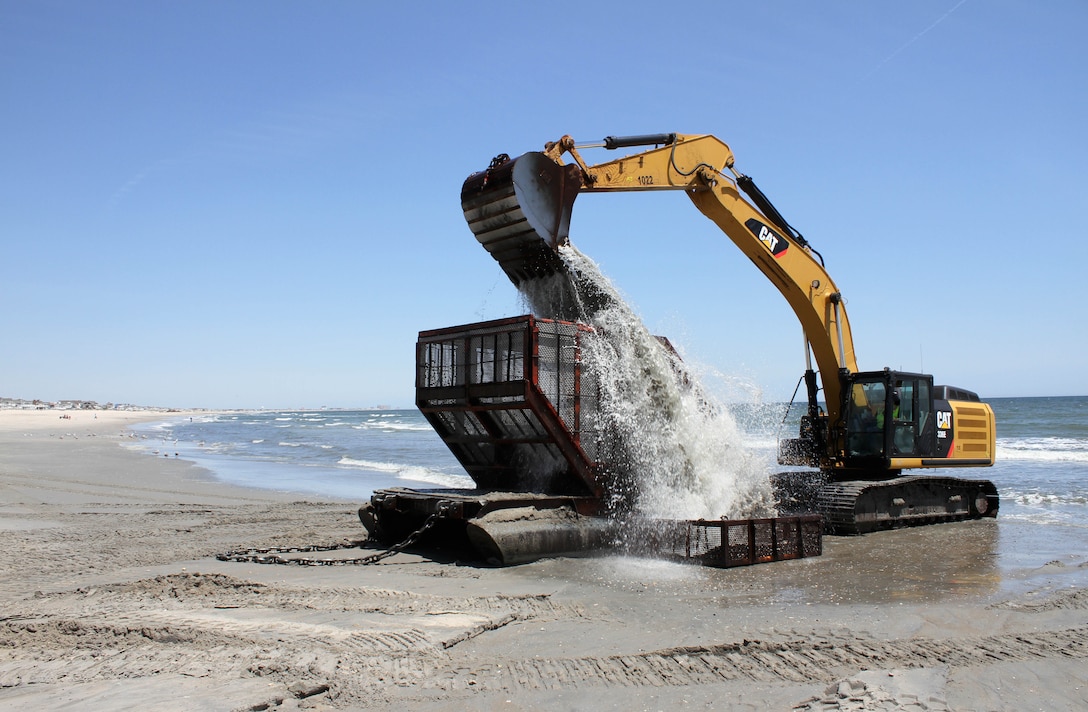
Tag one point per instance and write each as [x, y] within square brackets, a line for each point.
[912, 40]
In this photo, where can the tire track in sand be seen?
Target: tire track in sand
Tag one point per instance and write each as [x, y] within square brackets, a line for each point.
[360, 641]
[213, 624]
[793, 661]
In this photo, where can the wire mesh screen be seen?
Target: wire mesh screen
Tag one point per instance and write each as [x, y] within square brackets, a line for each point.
[494, 390]
[725, 543]
[439, 364]
[496, 357]
[499, 353]
[558, 358]
[486, 354]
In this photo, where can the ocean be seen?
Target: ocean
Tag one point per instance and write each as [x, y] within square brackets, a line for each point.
[345, 454]
[1041, 471]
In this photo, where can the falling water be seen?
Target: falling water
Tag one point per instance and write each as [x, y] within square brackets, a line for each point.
[675, 452]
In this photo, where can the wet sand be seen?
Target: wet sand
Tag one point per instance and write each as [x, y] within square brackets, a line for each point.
[112, 599]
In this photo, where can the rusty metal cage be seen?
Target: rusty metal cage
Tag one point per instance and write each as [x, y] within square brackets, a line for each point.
[508, 399]
[725, 543]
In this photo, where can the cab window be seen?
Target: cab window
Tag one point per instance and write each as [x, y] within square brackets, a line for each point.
[902, 404]
[865, 419]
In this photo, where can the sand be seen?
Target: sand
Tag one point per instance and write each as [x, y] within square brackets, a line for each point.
[112, 599]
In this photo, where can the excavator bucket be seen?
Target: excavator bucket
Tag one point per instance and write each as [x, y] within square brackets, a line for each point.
[519, 210]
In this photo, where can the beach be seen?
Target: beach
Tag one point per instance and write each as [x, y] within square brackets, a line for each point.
[112, 599]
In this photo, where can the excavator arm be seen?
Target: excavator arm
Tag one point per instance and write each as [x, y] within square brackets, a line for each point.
[698, 165]
[701, 166]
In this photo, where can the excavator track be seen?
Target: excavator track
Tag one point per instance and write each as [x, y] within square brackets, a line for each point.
[866, 506]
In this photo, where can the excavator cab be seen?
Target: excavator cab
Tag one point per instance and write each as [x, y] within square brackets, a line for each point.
[888, 415]
[896, 420]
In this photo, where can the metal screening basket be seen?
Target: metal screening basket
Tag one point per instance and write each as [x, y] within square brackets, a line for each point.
[725, 543]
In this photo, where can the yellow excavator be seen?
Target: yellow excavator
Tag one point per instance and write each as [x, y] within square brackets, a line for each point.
[862, 429]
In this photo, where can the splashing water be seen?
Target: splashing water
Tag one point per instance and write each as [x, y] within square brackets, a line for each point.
[673, 452]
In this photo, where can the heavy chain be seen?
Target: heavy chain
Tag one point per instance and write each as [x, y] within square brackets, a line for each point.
[271, 555]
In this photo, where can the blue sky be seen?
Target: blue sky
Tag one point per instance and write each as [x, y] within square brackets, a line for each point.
[256, 204]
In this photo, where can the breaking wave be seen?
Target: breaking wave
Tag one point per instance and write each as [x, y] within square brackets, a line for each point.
[414, 473]
[1050, 449]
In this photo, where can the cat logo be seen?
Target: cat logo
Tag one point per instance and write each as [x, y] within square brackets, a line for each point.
[770, 239]
[767, 238]
[944, 419]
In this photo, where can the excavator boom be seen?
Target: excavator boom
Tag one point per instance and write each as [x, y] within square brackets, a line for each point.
[523, 240]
